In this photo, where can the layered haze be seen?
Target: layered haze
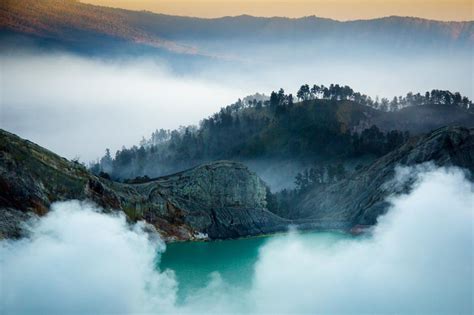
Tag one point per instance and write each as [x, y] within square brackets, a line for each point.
[78, 78]
[413, 262]
[77, 106]
[81, 79]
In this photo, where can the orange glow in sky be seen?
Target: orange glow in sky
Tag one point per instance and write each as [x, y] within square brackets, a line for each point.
[447, 10]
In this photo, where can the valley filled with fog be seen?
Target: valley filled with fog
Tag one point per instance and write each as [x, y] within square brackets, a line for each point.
[80, 105]
[157, 164]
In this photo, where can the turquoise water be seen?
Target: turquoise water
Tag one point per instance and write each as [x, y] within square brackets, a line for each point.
[195, 262]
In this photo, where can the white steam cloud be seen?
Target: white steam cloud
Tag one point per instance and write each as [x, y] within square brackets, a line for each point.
[84, 262]
[419, 259]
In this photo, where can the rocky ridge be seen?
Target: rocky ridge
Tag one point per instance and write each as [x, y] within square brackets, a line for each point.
[218, 200]
[360, 199]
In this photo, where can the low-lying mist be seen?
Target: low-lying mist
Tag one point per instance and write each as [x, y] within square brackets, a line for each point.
[418, 259]
[77, 105]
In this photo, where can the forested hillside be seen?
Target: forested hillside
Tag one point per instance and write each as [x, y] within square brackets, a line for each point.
[321, 124]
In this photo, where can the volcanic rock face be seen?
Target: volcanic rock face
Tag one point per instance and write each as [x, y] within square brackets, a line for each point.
[360, 199]
[221, 199]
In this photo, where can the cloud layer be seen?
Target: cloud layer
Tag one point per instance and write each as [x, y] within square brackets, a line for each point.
[419, 259]
[78, 106]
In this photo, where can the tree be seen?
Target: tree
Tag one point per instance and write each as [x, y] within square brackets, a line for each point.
[466, 103]
[384, 104]
[273, 99]
[281, 96]
[457, 99]
[427, 97]
[447, 97]
[290, 100]
[106, 162]
[315, 90]
[346, 92]
[303, 93]
[394, 104]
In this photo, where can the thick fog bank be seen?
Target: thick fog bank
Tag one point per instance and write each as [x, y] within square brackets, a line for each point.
[419, 259]
[77, 106]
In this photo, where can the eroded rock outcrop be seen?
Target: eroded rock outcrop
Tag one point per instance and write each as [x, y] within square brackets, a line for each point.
[360, 199]
[221, 199]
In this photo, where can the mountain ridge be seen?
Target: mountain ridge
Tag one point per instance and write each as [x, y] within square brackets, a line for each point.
[222, 199]
[362, 197]
[89, 24]
[218, 200]
[255, 131]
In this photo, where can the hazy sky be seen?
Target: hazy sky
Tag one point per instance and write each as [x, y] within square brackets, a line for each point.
[336, 9]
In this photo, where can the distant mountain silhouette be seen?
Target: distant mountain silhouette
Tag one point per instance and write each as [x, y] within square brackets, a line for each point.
[84, 27]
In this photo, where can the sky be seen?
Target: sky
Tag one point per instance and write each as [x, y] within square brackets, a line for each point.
[446, 10]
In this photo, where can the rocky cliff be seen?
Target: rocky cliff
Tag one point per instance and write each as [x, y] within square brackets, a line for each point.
[217, 200]
[221, 199]
[360, 199]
